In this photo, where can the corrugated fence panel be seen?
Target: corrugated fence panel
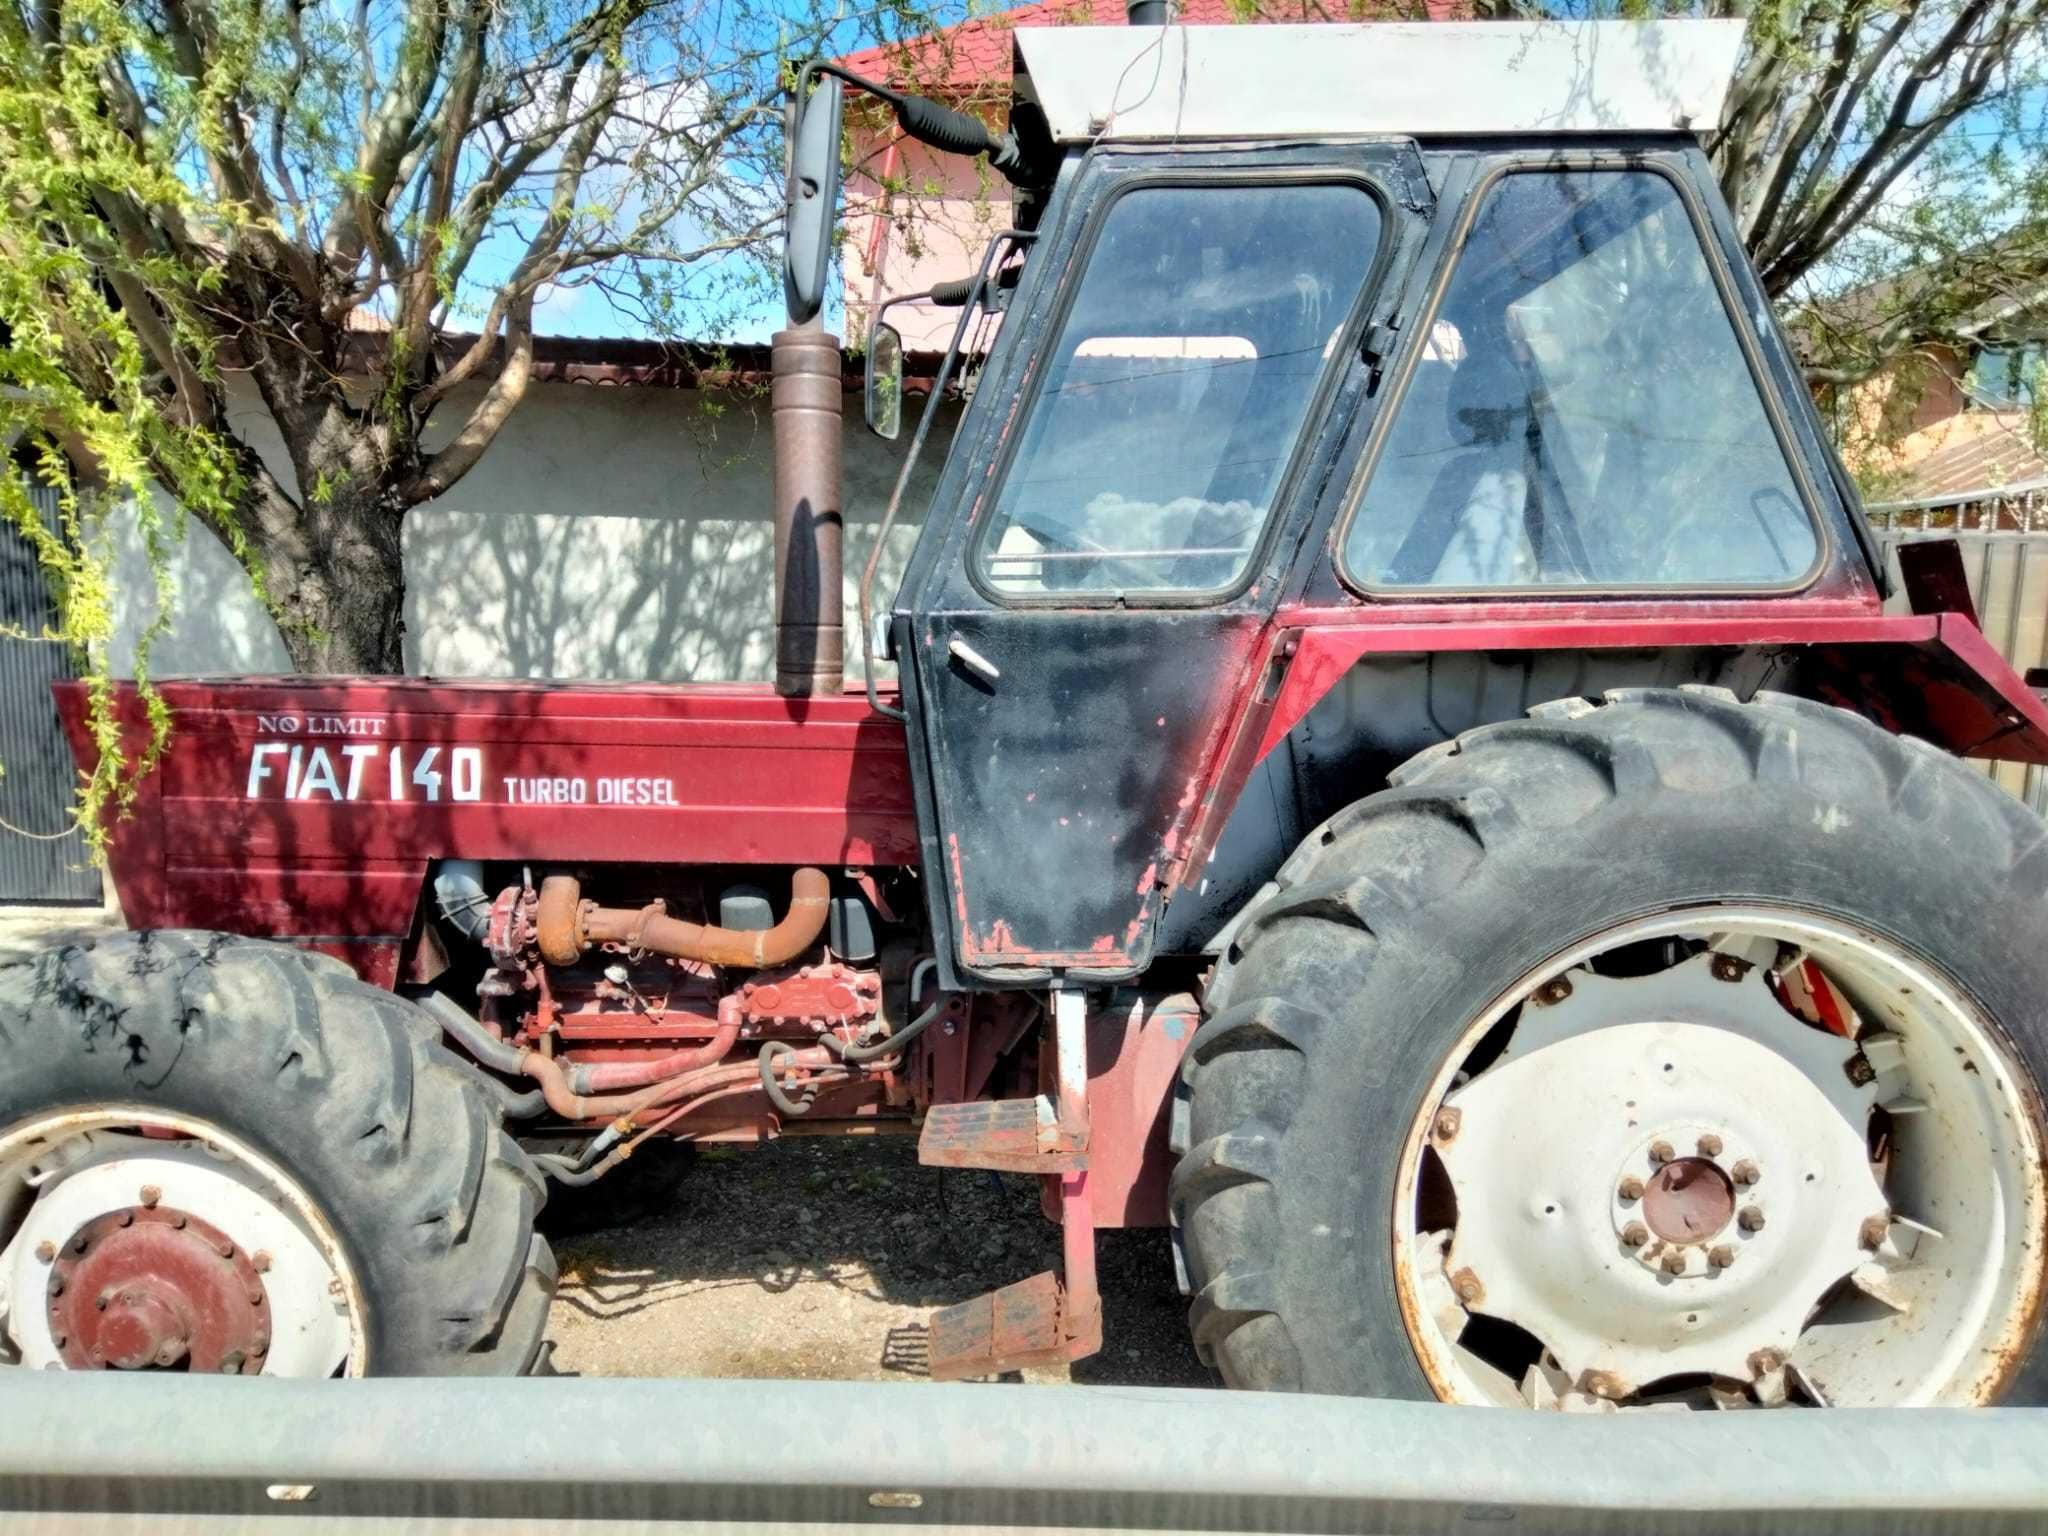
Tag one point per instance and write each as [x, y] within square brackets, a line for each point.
[38, 783]
[2005, 554]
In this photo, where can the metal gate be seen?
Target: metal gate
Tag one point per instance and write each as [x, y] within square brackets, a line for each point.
[2004, 537]
[38, 783]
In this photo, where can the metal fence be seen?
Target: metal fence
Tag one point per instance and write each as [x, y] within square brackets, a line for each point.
[38, 782]
[2004, 537]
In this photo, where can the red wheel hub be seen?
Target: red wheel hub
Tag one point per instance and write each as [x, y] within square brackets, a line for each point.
[153, 1287]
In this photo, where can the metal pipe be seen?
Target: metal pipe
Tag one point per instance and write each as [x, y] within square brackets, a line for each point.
[565, 926]
[809, 609]
[638, 1074]
[571, 1105]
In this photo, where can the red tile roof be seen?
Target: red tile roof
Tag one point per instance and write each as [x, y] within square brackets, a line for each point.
[978, 52]
[2001, 458]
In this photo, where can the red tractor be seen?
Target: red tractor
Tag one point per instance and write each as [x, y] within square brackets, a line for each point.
[1408, 767]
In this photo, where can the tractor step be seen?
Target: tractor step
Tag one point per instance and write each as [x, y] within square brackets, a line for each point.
[1008, 1135]
[1016, 1326]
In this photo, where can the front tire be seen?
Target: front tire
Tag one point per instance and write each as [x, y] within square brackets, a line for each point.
[192, 1123]
[1390, 970]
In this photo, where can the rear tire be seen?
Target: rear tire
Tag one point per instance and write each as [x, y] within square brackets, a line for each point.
[342, 1087]
[1405, 917]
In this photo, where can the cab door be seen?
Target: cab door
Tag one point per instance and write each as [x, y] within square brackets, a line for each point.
[1116, 523]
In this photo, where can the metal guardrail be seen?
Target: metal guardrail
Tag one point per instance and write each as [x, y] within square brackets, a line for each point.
[89, 1452]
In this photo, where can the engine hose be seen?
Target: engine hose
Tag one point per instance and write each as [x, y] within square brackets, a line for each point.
[781, 1100]
[514, 1105]
[889, 1045]
[563, 1171]
[499, 1055]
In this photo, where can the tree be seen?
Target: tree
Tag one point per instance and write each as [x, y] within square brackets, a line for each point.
[197, 187]
[1887, 164]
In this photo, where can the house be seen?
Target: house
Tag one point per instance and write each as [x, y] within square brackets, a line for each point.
[916, 217]
[1957, 424]
[618, 528]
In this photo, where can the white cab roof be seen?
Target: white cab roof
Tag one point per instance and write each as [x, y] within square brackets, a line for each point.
[1417, 78]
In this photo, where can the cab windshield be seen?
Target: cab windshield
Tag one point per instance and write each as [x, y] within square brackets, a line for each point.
[1178, 386]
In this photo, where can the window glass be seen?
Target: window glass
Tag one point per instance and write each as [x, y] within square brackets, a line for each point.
[2006, 377]
[1180, 380]
[1582, 413]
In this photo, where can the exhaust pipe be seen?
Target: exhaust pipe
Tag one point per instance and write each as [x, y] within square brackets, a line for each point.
[1148, 13]
[809, 611]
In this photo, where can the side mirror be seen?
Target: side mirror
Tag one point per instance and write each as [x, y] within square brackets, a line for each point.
[885, 382]
[812, 202]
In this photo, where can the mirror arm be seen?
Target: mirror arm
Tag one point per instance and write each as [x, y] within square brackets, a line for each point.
[929, 122]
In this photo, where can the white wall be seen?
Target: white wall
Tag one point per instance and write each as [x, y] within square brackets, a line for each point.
[609, 532]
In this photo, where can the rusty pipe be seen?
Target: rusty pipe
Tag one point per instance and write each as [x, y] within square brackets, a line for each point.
[566, 925]
[571, 1105]
[807, 401]
[612, 1075]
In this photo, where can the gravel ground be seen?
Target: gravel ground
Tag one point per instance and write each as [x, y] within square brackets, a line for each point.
[822, 1259]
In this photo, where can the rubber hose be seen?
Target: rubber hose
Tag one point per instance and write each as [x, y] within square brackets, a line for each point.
[943, 128]
[776, 1096]
[460, 898]
[562, 1171]
[887, 1046]
[498, 1055]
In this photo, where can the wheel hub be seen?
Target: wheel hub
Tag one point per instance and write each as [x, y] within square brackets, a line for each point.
[1656, 1198]
[1688, 1200]
[155, 1287]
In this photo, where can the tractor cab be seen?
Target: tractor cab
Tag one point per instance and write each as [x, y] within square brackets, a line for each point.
[1477, 339]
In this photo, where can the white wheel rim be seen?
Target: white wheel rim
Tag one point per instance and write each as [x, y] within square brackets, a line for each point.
[61, 1171]
[1531, 1151]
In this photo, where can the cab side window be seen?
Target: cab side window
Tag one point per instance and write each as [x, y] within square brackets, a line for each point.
[1581, 413]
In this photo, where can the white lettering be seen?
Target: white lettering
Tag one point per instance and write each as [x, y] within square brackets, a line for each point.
[291, 773]
[259, 770]
[398, 773]
[466, 773]
[319, 776]
[357, 755]
[426, 776]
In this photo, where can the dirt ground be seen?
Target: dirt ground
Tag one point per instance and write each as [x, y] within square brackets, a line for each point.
[806, 1258]
[822, 1259]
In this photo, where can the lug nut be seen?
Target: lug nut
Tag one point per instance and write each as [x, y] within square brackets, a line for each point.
[1631, 1188]
[1660, 1152]
[1730, 968]
[1873, 1231]
[1635, 1234]
[1747, 1172]
[1750, 1218]
[1554, 991]
[1860, 1071]
[1709, 1145]
[1604, 1384]
[1466, 1287]
[46, 1251]
[1721, 1255]
[1674, 1261]
[126, 1218]
[231, 1364]
[1447, 1122]
[1765, 1361]
[260, 1261]
[150, 1195]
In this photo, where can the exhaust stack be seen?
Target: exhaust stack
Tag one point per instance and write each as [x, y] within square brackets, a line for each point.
[809, 612]
[1148, 13]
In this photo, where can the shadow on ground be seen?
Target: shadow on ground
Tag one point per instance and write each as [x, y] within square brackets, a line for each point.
[820, 1259]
